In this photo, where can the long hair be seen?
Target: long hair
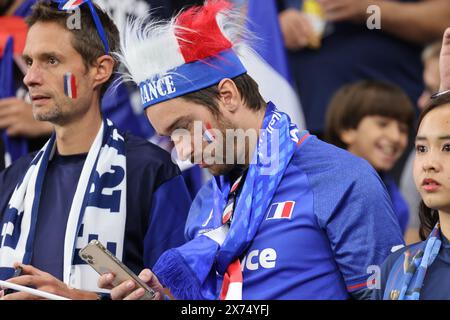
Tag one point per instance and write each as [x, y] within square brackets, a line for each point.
[429, 217]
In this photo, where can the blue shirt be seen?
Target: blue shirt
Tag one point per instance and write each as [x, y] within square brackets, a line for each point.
[437, 279]
[340, 223]
[157, 205]
[400, 206]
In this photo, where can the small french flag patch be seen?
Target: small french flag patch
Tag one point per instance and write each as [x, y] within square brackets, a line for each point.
[281, 210]
[70, 88]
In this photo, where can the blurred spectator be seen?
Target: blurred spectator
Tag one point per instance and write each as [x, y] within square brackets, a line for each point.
[444, 62]
[350, 51]
[15, 7]
[371, 120]
[430, 59]
[16, 119]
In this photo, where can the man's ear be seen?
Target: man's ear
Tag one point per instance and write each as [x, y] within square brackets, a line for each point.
[348, 136]
[229, 95]
[103, 69]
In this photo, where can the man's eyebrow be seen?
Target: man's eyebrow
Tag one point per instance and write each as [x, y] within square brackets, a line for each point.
[50, 54]
[44, 55]
[420, 138]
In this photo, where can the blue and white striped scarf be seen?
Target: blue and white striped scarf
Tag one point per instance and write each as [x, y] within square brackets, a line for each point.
[405, 279]
[98, 209]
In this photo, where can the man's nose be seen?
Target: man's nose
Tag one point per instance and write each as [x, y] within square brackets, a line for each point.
[33, 77]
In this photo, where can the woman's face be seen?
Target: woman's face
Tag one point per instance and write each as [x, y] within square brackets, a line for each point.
[432, 161]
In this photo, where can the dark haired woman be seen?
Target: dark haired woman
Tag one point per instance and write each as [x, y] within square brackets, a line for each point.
[422, 270]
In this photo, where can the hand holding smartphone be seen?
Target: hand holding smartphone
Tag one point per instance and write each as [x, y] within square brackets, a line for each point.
[103, 261]
[17, 273]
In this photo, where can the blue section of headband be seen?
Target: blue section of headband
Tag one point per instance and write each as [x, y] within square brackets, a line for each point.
[191, 77]
[95, 17]
[98, 24]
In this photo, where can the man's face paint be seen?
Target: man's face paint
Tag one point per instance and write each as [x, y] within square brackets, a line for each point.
[207, 133]
[70, 88]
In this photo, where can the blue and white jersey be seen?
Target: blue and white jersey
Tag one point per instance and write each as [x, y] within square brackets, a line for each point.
[330, 219]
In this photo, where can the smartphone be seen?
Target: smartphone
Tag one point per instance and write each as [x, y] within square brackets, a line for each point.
[103, 261]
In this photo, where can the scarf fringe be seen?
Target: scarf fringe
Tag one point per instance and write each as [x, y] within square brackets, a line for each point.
[174, 273]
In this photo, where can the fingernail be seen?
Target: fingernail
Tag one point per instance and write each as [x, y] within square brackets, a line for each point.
[130, 284]
[147, 274]
[109, 277]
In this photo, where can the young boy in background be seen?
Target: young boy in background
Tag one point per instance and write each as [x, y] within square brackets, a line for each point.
[371, 119]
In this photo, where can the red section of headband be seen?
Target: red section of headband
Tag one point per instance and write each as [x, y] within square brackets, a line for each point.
[198, 32]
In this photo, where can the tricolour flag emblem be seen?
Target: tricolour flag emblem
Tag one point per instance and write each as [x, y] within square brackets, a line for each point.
[70, 88]
[281, 210]
[69, 4]
[226, 216]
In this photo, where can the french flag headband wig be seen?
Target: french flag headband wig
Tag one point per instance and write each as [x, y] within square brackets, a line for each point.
[193, 51]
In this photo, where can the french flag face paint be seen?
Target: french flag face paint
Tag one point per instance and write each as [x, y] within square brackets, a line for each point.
[70, 88]
[207, 133]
